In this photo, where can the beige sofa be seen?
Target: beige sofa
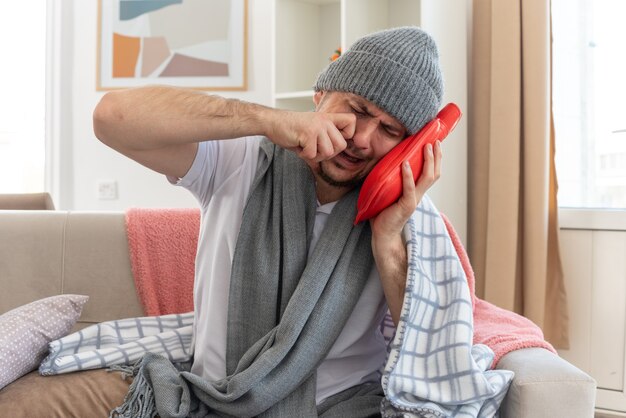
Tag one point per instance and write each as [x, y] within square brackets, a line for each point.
[26, 201]
[45, 253]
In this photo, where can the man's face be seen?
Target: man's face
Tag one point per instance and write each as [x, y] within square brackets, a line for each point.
[375, 135]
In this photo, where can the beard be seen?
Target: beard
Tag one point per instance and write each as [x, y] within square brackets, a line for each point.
[350, 183]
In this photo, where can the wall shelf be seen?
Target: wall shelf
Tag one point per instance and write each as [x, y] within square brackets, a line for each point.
[309, 31]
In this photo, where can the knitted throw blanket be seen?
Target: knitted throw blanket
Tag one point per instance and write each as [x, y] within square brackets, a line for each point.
[162, 246]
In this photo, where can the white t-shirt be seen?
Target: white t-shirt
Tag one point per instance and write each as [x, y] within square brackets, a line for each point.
[220, 178]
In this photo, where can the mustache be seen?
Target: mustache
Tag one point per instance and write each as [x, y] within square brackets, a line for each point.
[353, 151]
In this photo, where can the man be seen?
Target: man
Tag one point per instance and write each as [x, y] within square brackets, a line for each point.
[287, 312]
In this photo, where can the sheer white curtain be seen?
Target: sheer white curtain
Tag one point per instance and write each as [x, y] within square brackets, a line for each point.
[22, 95]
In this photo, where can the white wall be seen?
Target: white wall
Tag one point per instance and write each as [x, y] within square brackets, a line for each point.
[79, 160]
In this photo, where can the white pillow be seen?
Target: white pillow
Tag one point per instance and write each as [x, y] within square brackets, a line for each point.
[26, 331]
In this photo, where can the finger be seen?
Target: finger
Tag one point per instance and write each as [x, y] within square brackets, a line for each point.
[438, 158]
[345, 122]
[337, 140]
[309, 150]
[427, 178]
[407, 200]
[325, 148]
[407, 179]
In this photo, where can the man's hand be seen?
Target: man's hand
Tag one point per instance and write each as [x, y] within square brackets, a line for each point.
[387, 244]
[313, 136]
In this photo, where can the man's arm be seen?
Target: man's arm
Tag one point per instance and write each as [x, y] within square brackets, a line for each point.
[388, 247]
[160, 126]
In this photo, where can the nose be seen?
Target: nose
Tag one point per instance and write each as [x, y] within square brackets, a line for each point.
[363, 132]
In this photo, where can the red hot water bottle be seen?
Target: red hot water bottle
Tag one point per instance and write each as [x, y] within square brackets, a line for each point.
[383, 185]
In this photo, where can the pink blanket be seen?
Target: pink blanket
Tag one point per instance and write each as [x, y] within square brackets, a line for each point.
[501, 330]
[163, 244]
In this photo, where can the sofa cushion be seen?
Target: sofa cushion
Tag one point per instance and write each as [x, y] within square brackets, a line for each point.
[91, 393]
[26, 331]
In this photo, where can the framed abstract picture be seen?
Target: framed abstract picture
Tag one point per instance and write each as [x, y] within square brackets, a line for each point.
[198, 44]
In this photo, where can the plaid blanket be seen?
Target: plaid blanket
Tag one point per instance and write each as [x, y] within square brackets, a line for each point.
[432, 369]
[121, 342]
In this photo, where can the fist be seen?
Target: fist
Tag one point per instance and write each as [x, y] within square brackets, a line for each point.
[313, 136]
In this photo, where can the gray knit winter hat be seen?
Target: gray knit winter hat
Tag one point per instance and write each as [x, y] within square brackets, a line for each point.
[396, 69]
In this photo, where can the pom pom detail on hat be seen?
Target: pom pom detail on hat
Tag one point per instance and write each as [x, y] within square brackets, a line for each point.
[396, 69]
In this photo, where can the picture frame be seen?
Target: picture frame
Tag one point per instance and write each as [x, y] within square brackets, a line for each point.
[199, 44]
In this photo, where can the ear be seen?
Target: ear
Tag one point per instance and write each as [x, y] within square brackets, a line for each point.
[317, 97]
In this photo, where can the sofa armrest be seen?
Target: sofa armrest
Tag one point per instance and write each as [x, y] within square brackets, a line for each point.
[545, 385]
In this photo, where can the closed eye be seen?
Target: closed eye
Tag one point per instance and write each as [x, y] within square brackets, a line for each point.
[391, 131]
[358, 111]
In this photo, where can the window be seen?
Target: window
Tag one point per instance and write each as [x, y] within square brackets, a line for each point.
[589, 99]
[22, 96]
